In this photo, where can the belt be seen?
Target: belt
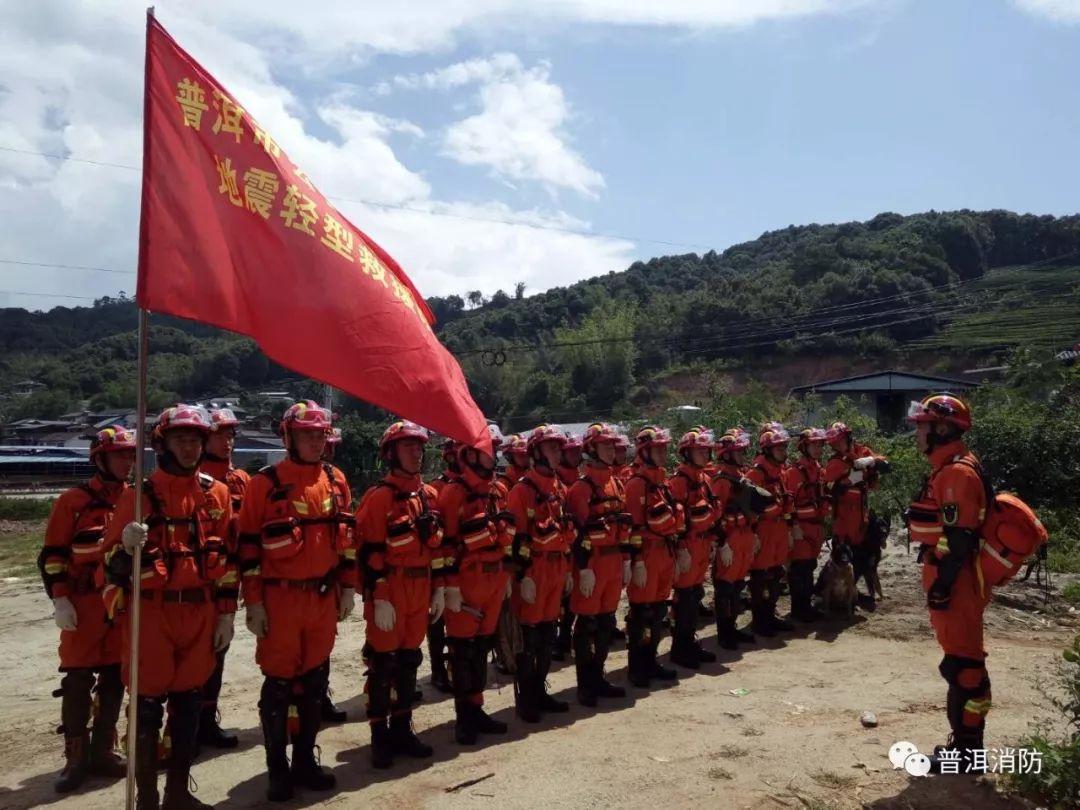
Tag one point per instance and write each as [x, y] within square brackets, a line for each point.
[194, 596]
[313, 584]
[409, 571]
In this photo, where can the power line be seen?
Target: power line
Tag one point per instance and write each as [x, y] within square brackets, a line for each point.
[411, 208]
[67, 266]
[48, 295]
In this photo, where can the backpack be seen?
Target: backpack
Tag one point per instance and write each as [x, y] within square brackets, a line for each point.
[1010, 533]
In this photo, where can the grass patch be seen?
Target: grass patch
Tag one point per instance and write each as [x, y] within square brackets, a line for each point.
[834, 780]
[719, 773]
[1071, 593]
[25, 508]
[19, 547]
[752, 732]
[731, 752]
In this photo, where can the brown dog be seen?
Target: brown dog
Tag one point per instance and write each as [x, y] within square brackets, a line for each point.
[837, 582]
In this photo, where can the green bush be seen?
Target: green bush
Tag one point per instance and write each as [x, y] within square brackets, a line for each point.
[1071, 593]
[25, 508]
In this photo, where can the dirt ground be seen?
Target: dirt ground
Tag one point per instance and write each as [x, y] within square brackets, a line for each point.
[793, 740]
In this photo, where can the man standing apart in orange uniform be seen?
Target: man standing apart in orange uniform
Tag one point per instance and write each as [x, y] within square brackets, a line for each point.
[656, 522]
[297, 585]
[189, 596]
[403, 563]
[478, 531]
[69, 563]
[690, 488]
[596, 503]
[543, 570]
[850, 475]
[803, 480]
[946, 518]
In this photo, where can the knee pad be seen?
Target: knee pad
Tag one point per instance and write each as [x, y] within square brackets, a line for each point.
[409, 659]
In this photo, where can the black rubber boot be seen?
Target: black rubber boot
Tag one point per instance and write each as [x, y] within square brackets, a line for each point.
[759, 605]
[379, 685]
[564, 640]
[210, 730]
[104, 761]
[683, 648]
[184, 726]
[75, 715]
[438, 655]
[545, 701]
[150, 711]
[274, 718]
[525, 690]
[725, 621]
[605, 628]
[485, 723]
[402, 737]
[639, 629]
[461, 677]
[774, 587]
[306, 771]
[585, 647]
[658, 670]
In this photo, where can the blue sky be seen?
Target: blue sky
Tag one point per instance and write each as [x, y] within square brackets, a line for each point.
[700, 123]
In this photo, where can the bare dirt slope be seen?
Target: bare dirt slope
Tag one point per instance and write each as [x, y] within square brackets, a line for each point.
[794, 740]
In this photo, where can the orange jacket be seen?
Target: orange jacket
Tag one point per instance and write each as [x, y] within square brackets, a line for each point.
[803, 481]
[188, 518]
[568, 475]
[295, 524]
[397, 526]
[689, 487]
[237, 481]
[476, 522]
[769, 475]
[75, 535]
[442, 479]
[723, 484]
[849, 500]
[511, 475]
[654, 514]
[536, 502]
[954, 496]
[597, 505]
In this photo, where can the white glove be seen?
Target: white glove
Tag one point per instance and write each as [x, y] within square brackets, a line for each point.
[586, 581]
[757, 544]
[528, 591]
[438, 602]
[64, 614]
[256, 621]
[385, 615]
[453, 599]
[568, 586]
[223, 631]
[855, 476]
[133, 536]
[625, 573]
[347, 604]
[640, 576]
[727, 556]
[682, 561]
[864, 462]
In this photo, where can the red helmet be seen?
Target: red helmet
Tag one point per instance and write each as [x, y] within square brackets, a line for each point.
[622, 440]
[599, 433]
[497, 438]
[223, 418]
[112, 440]
[773, 437]
[697, 437]
[735, 440]
[811, 436]
[402, 429]
[514, 443]
[306, 415]
[836, 432]
[941, 408]
[182, 416]
[771, 426]
[545, 433]
[333, 436]
[573, 442]
[652, 436]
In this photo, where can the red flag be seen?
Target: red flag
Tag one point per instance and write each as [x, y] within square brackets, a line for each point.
[235, 235]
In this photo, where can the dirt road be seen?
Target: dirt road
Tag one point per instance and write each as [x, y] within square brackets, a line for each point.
[793, 740]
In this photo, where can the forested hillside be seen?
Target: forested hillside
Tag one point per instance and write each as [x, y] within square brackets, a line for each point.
[960, 282]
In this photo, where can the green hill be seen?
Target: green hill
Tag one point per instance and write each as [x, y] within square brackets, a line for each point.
[941, 284]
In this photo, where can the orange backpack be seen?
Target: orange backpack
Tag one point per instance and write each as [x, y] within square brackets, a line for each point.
[1010, 534]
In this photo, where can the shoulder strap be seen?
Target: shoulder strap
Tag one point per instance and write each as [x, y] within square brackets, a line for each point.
[984, 479]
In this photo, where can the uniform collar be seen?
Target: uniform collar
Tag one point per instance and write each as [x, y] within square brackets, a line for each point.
[599, 475]
[941, 456]
[407, 483]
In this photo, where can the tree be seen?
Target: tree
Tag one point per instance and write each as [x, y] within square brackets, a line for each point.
[475, 298]
[519, 290]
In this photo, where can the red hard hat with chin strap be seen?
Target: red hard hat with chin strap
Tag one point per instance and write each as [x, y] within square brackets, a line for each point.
[941, 408]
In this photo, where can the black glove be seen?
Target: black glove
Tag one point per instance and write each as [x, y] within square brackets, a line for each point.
[939, 596]
[425, 526]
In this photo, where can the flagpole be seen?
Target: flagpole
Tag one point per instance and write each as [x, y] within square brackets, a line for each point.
[135, 608]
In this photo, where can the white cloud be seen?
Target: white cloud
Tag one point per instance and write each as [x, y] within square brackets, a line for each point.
[1066, 11]
[71, 84]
